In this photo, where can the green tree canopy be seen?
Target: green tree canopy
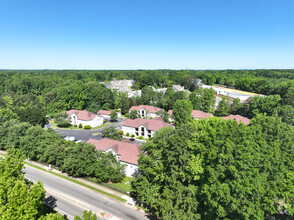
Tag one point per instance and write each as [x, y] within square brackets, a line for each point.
[182, 112]
[133, 114]
[19, 198]
[113, 116]
[112, 133]
[218, 169]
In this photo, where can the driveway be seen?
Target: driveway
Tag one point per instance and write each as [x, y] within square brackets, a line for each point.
[85, 135]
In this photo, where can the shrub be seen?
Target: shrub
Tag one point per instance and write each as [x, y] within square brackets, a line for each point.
[127, 115]
[104, 121]
[151, 118]
[75, 126]
[133, 136]
[141, 137]
[63, 124]
[87, 127]
[62, 119]
[128, 134]
[80, 125]
[121, 132]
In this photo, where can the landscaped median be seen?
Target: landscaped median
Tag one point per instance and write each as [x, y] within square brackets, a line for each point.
[78, 182]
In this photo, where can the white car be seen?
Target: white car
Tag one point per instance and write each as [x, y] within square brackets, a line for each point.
[79, 141]
[69, 138]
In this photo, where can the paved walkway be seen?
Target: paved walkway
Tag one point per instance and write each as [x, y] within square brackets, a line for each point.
[105, 189]
[78, 179]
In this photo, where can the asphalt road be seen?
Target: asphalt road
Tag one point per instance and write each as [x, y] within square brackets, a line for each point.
[72, 199]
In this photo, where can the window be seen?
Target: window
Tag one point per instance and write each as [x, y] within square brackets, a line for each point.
[142, 131]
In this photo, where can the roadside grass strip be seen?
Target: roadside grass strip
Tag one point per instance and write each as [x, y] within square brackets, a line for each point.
[80, 183]
[32, 165]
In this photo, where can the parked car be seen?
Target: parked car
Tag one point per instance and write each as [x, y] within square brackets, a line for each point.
[69, 138]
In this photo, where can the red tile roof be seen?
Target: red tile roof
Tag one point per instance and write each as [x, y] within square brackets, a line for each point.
[104, 112]
[82, 115]
[151, 124]
[238, 118]
[128, 152]
[200, 114]
[148, 108]
[195, 114]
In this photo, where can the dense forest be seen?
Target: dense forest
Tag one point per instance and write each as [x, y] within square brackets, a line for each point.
[218, 169]
[31, 95]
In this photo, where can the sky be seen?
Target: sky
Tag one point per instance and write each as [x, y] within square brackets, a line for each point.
[146, 34]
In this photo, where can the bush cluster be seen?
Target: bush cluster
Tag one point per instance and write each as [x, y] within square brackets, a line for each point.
[87, 127]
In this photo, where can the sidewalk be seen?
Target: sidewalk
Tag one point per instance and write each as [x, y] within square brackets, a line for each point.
[129, 201]
[78, 179]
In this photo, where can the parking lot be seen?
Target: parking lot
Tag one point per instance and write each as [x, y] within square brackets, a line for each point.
[85, 135]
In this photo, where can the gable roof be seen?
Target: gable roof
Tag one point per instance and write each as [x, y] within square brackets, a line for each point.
[148, 108]
[83, 114]
[104, 112]
[128, 152]
[238, 118]
[200, 114]
[195, 114]
[151, 124]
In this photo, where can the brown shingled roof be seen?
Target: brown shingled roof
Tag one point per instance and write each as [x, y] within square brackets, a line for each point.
[151, 124]
[148, 108]
[82, 114]
[128, 152]
[238, 118]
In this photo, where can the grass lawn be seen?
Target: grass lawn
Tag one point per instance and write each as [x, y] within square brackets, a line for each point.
[101, 126]
[125, 184]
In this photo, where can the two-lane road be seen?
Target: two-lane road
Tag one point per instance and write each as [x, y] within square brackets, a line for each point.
[71, 198]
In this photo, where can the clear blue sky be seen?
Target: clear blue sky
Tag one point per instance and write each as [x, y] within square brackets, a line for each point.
[146, 34]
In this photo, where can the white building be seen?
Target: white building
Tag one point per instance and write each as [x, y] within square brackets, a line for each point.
[143, 127]
[178, 88]
[84, 117]
[123, 86]
[147, 111]
[106, 114]
[231, 93]
[125, 151]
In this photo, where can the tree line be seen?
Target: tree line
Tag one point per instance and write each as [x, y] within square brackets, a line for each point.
[75, 159]
[31, 95]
